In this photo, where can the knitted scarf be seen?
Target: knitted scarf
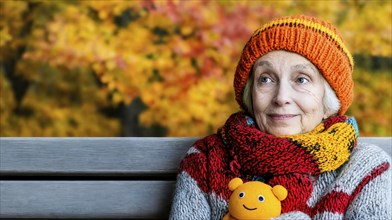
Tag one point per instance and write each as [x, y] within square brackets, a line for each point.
[254, 152]
[292, 161]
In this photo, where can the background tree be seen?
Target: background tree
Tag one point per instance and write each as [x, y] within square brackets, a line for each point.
[156, 68]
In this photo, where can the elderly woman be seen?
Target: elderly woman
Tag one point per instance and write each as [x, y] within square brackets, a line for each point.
[294, 84]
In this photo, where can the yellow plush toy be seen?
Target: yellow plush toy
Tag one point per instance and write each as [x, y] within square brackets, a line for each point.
[254, 200]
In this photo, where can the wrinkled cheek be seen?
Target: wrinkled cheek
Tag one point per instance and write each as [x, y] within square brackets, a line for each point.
[311, 119]
[311, 104]
[260, 121]
[259, 110]
[313, 112]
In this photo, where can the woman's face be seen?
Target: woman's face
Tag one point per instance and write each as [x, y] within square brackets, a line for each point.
[287, 94]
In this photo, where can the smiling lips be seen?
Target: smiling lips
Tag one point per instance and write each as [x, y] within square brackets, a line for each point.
[281, 117]
[249, 208]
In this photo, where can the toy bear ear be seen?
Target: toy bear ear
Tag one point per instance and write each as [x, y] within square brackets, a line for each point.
[280, 192]
[234, 183]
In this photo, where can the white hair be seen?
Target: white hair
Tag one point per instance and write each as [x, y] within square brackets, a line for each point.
[330, 100]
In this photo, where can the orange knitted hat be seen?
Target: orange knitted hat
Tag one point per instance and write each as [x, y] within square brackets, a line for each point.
[312, 38]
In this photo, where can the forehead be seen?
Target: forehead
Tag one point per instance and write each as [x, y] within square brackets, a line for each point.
[282, 57]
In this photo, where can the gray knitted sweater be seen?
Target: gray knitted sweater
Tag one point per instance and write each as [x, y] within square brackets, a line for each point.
[365, 181]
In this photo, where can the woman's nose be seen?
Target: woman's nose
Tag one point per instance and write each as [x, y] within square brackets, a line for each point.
[283, 95]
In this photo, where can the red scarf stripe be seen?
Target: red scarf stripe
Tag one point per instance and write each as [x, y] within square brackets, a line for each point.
[299, 189]
[259, 153]
[333, 120]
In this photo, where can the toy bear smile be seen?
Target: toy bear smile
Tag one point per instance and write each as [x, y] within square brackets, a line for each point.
[249, 208]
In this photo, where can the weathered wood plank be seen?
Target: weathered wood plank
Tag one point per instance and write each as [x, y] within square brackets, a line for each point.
[86, 199]
[92, 156]
[103, 156]
[383, 142]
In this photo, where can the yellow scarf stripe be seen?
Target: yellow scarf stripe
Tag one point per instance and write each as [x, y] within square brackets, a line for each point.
[315, 26]
[331, 148]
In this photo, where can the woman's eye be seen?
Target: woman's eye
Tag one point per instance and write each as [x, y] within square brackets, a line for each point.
[241, 195]
[302, 80]
[264, 79]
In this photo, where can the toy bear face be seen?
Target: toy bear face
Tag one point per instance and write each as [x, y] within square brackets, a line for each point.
[255, 200]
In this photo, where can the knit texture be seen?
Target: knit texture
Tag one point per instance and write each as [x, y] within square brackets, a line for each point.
[325, 148]
[254, 152]
[319, 186]
[314, 39]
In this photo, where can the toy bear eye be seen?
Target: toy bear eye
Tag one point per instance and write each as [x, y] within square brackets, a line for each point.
[241, 195]
[261, 198]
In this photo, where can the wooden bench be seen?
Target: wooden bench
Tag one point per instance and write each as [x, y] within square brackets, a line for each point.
[130, 178]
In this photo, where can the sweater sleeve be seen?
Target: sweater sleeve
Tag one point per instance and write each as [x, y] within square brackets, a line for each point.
[372, 197]
[190, 200]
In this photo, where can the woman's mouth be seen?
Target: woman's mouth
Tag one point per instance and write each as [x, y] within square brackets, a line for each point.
[281, 117]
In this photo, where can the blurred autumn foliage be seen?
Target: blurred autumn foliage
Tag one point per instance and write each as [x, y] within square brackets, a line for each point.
[161, 68]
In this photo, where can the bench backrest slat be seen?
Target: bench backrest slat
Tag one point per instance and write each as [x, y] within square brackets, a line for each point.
[92, 156]
[86, 199]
